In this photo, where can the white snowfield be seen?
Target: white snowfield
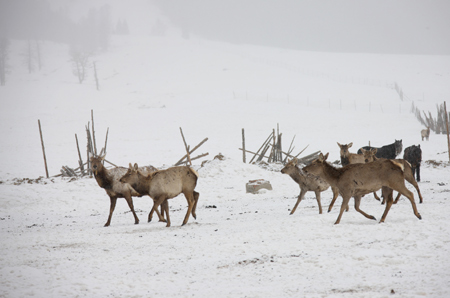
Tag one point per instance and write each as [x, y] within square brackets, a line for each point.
[53, 243]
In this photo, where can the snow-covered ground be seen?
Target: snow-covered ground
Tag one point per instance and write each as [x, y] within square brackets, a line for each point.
[241, 245]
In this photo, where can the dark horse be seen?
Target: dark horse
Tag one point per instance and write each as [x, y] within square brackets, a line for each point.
[389, 151]
[413, 154]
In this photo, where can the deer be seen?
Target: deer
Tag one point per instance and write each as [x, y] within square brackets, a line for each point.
[352, 158]
[408, 172]
[165, 184]
[347, 157]
[307, 182]
[109, 181]
[357, 180]
[425, 133]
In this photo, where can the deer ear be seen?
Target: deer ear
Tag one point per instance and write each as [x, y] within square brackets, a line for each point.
[91, 156]
[374, 150]
[362, 150]
[339, 144]
[130, 166]
[326, 156]
[136, 167]
[351, 144]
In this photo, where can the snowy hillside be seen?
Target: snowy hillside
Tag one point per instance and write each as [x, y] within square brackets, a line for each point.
[53, 240]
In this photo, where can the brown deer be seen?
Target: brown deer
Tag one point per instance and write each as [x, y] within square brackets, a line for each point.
[307, 182]
[357, 180]
[408, 173]
[349, 158]
[352, 158]
[366, 156]
[109, 181]
[166, 184]
[425, 133]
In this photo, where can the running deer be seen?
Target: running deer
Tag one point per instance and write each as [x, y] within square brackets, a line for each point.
[307, 182]
[425, 133]
[366, 156]
[359, 179]
[165, 184]
[408, 173]
[109, 181]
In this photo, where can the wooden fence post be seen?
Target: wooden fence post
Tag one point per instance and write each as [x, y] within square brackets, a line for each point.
[448, 133]
[43, 148]
[243, 146]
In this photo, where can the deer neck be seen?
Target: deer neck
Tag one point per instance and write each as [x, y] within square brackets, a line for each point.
[103, 179]
[330, 174]
[297, 176]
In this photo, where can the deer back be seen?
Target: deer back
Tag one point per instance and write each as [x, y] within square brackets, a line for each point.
[172, 181]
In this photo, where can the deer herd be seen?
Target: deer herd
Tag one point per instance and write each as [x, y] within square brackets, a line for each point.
[367, 171]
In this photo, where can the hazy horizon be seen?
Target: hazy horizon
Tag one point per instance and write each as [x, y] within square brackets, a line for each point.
[368, 26]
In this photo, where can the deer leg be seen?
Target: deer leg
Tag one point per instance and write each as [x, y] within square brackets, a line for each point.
[410, 178]
[357, 203]
[397, 198]
[160, 215]
[345, 199]
[300, 197]
[318, 200]
[335, 195]
[388, 194]
[404, 191]
[376, 196]
[196, 195]
[130, 204]
[165, 209]
[161, 200]
[111, 210]
[190, 199]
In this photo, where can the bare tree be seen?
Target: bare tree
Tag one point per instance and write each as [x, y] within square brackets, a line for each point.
[4, 44]
[80, 61]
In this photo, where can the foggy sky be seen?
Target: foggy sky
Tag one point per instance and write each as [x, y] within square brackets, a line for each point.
[383, 26]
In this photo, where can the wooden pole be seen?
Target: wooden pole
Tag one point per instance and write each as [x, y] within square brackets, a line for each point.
[43, 148]
[256, 154]
[448, 133]
[79, 156]
[93, 132]
[191, 151]
[187, 148]
[262, 146]
[243, 146]
[96, 78]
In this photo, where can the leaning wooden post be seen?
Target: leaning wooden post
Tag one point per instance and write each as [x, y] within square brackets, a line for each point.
[243, 146]
[43, 148]
[187, 148]
[80, 162]
[262, 146]
[93, 132]
[448, 133]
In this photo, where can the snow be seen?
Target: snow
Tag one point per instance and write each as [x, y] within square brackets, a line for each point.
[245, 245]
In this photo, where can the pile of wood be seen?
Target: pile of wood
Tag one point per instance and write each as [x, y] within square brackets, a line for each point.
[84, 168]
[187, 159]
[272, 150]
